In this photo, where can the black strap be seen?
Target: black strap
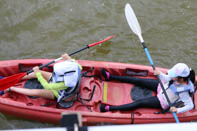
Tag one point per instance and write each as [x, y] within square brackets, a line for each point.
[82, 99]
[91, 69]
[132, 117]
[69, 72]
[90, 95]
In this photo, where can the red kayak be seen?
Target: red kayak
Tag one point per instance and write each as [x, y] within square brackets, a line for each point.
[93, 91]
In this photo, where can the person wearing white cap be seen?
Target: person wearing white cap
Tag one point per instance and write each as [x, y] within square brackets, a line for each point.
[180, 69]
[55, 84]
[179, 85]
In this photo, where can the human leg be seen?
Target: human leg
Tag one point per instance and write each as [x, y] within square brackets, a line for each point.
[146, 83]
[151, 102]
[142, 82]
[48, 94]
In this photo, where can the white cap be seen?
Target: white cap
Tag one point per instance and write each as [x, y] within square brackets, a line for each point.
[179, 69]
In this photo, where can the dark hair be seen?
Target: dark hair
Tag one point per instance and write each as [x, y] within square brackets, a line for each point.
[191, 76]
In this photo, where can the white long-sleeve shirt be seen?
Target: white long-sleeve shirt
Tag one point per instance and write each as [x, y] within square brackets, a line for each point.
[183, 96]
[188, 103]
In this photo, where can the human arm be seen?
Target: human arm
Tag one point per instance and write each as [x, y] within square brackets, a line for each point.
[50, 86]
[173, 109]
[67, 57]
[188, 103]
[165, 78]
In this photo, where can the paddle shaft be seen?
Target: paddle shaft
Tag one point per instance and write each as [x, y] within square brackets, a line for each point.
[9, 81]
[161, 84]
[86, 47]
[153, 66]
[135, 27]
[45, 65]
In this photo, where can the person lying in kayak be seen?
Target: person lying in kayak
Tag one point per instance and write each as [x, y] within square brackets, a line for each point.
[56, 84]
[179, 85]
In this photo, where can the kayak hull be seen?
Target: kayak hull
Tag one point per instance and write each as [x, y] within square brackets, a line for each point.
[107, 92]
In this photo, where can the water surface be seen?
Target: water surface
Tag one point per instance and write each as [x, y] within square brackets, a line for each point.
[48, 28]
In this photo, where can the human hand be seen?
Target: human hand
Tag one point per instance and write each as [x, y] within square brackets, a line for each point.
[36, 69]
[66, 56]
[156, 72]
[173, 109]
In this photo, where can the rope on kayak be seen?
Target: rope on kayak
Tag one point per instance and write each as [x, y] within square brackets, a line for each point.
[82, 99]
[132, 117]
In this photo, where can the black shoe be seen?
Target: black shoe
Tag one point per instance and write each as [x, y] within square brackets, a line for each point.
[105, 74]
[102, 108]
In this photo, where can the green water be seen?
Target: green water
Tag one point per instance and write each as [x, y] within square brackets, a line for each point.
[48, 28]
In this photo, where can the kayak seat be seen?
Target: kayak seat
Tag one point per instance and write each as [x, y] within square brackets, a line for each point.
[138, 93]
[33, 84]
[72, 96]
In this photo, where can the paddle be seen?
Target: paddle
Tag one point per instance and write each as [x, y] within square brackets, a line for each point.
[135, 27]
[12, 80]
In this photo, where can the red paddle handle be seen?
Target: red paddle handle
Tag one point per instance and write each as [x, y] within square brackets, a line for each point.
[99, 42]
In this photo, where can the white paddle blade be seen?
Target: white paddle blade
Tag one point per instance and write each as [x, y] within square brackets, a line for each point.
[132, 21]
